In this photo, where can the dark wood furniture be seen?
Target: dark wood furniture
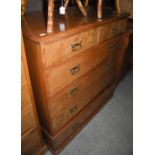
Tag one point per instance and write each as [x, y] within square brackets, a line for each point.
[74, 70]
[31, 139]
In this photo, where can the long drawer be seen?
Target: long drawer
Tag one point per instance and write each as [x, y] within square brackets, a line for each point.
[111, 30]
[57, 52]
[83, 117]
[62, 75]
[68, 102]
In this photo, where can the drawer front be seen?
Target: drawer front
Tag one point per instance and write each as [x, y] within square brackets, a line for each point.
[59, 51]
[68, 102]
[82, 117]
[116, 28]
[31, 142]
[111, 30]
[27, 114]
[64, 74]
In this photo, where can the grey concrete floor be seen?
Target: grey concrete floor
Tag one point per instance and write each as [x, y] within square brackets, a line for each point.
[110, 131]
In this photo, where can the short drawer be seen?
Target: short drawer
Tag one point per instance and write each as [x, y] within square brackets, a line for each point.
[83, 117]
[31, 142]
[111, 30]
[69, 101]
[27, 113]
[59, 51]
[64, 74]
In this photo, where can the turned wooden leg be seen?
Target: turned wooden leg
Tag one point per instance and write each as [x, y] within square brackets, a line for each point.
[99, 9]
[66, 3]
[50, 16]
[118, 10]
[86, 3]
[83, 11]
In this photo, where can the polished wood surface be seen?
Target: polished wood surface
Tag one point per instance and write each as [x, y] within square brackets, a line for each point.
[62, 75]
[31, 138]
[70, 68]
[71, 46]
[34, 24]
[70, 100]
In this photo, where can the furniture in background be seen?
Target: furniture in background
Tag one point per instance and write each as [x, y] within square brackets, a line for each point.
[31, 138]
[127, 63]
[82, 8]
[124, 6]
[23, 6]
[80, 5]
[74, 69]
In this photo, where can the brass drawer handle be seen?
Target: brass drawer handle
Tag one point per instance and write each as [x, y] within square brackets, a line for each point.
[114, 31]
[73, 109]
[75, 69]
[74, 91]
[76, 46]
[76, 126]
[108, 65]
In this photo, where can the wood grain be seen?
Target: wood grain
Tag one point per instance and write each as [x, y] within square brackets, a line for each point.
[71, 46]
[34, 24]
[67, 105]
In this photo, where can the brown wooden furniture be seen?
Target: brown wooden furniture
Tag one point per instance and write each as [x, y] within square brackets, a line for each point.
[23, 6]
[79, 3]
[74, 70]
[124, 6]
[31, 139]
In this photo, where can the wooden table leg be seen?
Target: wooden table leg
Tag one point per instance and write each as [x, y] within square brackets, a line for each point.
[99, 9]
[83, 11]
[86, 3]
[50, 16]
[66, 3]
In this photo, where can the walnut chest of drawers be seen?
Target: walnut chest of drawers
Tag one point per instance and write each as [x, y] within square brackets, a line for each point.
[73, 70]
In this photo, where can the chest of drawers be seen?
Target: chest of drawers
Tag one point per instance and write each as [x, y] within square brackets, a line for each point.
[73, 71]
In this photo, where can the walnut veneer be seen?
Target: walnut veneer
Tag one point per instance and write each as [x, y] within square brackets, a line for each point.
[74, 69]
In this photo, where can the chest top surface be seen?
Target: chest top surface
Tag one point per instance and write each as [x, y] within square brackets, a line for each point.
[34, 23]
